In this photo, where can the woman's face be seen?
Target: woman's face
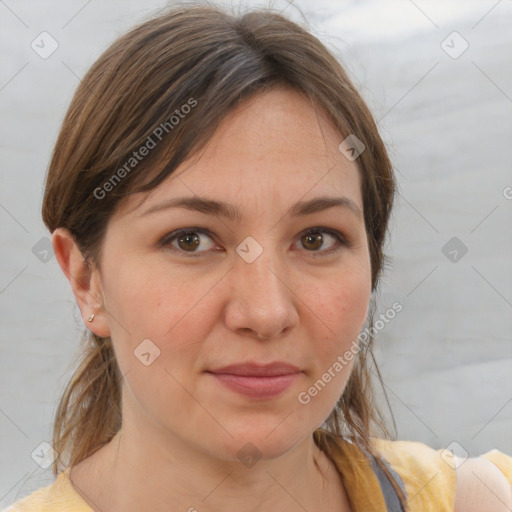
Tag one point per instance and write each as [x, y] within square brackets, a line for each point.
[251, 287]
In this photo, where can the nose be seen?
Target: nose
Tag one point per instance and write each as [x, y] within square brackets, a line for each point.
[261, 299]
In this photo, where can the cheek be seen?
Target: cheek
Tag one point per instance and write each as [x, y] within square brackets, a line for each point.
[340, 313]
[147, 303]
[138, 290]
[342, 306]
[171, 308]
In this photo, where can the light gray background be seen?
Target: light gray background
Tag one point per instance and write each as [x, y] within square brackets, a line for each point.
[447, 357]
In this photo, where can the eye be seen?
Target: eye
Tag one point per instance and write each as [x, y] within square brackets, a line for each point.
[314, 238]
[186, 241]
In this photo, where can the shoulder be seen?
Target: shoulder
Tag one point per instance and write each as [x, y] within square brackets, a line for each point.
[35, 502]
[428, 474]
[437, 476]
[484, 485]
[60, 496]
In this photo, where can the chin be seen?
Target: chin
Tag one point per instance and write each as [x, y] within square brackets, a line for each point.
[267, 440]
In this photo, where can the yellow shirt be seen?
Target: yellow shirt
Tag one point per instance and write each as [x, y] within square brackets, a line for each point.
[427, 474]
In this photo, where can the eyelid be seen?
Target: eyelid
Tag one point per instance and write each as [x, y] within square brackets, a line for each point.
[168, 238]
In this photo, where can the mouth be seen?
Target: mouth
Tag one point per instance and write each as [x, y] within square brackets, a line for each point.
[257, 380]
[255, 369]
[257, 387]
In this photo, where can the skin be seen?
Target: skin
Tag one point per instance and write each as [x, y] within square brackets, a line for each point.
[296, 302]
[481, 486]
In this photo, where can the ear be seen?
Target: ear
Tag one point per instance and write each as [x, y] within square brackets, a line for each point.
[85, 281]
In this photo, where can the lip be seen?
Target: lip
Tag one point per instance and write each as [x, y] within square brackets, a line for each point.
[257, 381]
[253, 369]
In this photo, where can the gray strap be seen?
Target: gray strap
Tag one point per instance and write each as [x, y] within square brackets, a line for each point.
[390, 495]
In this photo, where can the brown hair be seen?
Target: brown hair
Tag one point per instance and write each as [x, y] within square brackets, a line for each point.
[211, 60]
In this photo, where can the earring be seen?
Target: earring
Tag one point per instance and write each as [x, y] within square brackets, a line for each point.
[91, 318]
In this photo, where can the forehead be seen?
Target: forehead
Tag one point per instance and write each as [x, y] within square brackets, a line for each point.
[275, 147]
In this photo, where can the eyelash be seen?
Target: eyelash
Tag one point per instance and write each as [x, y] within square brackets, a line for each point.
[166, 241]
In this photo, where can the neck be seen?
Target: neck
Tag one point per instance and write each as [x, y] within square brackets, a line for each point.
[136, 472]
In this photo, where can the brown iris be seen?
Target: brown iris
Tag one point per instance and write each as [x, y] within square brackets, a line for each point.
[189, 238]
[314, 239]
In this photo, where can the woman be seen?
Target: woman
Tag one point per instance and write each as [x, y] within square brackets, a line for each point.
[219, 197]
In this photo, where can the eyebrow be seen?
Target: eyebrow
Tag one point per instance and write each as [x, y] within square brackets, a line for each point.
[221, 209]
